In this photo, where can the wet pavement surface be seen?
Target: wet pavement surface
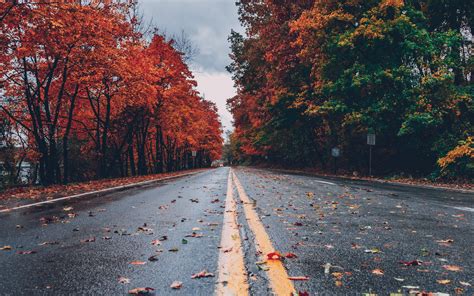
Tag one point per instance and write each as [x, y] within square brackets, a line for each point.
[132, 220]
[364, 231]
[349, 238]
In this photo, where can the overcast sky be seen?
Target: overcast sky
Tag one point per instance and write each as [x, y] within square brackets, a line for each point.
[208, 24]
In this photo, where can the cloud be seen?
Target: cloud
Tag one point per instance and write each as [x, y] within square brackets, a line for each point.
[217, 87]
[207, 22]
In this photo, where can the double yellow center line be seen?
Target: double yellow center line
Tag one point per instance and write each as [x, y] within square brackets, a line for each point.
[232, 274]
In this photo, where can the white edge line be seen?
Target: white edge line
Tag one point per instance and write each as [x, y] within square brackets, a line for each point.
[464, 209]
[324, 182]
[94, 192]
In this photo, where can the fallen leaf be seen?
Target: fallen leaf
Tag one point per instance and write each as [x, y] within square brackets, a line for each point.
[337, 275]
[327, 268]
[298, 278]
[141, 291]
[176, 285]
[378, 271]
[411, 263]
[459, 291]
[153, 258]
[48, 243]
[446, 241]
[452, 267]
[195, 235]
[274, 256]
[26, 252]
[123, 280]
[202, 274]
[88, 240]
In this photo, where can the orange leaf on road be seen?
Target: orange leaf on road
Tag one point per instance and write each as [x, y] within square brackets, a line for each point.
[202, 274]
[378, 271]
[452, 267]
[298, 278]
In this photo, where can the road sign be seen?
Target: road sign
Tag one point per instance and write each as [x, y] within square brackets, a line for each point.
[194, 153]
[335, 152]
[371, 139]
[370, 142]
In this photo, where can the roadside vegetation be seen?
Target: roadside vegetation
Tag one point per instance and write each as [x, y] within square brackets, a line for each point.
[314, 75]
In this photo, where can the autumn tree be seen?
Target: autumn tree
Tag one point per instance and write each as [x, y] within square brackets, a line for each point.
[79, 77]
[329, 72]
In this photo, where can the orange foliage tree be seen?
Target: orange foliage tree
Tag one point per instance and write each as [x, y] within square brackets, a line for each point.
[94, 99]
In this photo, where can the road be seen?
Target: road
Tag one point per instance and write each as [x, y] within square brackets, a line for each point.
[337, 237]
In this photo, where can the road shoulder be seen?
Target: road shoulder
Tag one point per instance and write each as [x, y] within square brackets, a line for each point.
[10, 204]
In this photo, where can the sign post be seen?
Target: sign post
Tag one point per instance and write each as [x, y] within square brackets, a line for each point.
[193, 154]
[371, 143]
[335, 152]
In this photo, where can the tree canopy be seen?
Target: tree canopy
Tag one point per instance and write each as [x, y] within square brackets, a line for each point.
[93, 98]
[312, 75]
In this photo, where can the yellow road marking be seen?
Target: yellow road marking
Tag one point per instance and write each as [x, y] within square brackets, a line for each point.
[232, 272]
[277, 274]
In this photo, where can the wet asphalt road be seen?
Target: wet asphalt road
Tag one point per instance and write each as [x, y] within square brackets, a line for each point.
[361, 230]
